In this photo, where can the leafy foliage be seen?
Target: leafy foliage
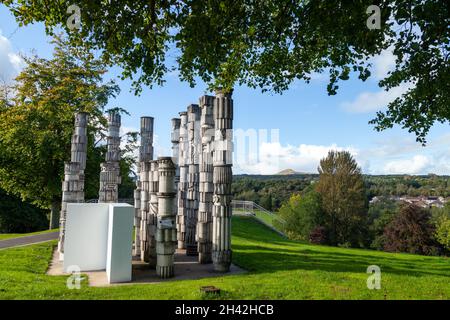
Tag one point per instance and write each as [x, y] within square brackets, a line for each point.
[411, 231]
[301, 215]
[344, 200]
[269, 44]
[17, 216]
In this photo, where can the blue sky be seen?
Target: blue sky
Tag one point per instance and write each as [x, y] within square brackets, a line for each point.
[309, 122]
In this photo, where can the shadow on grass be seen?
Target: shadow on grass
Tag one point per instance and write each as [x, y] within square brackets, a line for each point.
[256, 250]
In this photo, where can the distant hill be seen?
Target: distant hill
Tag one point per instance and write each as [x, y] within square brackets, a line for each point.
[288, 172]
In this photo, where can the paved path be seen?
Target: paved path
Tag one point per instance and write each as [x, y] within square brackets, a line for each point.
[22, 241]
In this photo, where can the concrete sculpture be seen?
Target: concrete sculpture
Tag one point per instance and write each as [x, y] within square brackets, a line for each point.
[192, 198]
[222, 178]
[166, 233]
[73, 184]
[110, 169]
[183, 181]
[206, 190]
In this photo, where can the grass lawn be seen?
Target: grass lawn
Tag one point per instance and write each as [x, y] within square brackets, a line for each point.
[278, 269]
[5, 236]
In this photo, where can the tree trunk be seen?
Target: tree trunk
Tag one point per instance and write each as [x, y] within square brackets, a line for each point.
[54, 214]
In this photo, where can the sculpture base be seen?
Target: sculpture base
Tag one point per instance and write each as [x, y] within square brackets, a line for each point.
[165, 272]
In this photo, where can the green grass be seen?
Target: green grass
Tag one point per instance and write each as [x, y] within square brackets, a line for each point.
[278, 269]
[5, 236]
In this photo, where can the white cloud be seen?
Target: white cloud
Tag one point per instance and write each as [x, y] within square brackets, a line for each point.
[274, 157]
[383, 63]
[415, 165]
[374, 101]
[10, 62]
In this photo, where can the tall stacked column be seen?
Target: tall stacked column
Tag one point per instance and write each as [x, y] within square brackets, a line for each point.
[192, 202]
[222, 178]
[73, 184]
[146, 234]
[183, 182]
[206, 190]
[110, 169]
[153, 213]
[166, 233]
[175, 139]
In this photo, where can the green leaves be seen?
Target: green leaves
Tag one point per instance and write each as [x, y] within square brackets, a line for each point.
[269, 44]
[36, 125]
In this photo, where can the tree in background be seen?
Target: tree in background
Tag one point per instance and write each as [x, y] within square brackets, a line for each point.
[443, 232]
[380, 214]
[17, 216]
[301, 215]
[411, 231]
[441, 220]
[37, 124]
[344, 200]
[269, 44]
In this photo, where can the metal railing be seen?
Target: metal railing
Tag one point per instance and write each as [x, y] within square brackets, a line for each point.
[268, 218]
[239, 207]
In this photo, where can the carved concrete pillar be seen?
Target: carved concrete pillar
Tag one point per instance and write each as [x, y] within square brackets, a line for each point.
[73, 184]
[146, 236]
[193, 179]
[152, 216]
[206, 190]
[222, 178]
[166, 233]
[110, 169]
[137, 216]
[183, 181]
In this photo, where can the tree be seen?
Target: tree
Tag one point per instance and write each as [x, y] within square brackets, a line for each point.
[300, 215]
[380, 214]
[443, 232]
[411, 231]
[269, 44]
[17, 216]
[36, 127]
[344, 201]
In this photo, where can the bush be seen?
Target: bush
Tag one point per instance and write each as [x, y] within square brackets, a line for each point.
[318, 235]
[411, 231]
[380, 214]
[443, 232]
[19, 217]
[301, 215]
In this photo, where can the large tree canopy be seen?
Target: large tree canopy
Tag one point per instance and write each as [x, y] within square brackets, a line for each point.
[270, 43]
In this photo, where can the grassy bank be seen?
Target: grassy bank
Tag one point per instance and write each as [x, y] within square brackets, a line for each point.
[278, 269]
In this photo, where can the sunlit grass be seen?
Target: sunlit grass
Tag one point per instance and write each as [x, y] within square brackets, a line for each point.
[278, 269]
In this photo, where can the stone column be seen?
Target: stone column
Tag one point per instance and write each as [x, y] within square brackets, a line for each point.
[206, 190]
[110, 169]
[73, 184]
[137, 216]
[182, 184]
[152, 216]
[222, 178]
[193, 179]
[166, 233]
[175, 139]
[146, 236]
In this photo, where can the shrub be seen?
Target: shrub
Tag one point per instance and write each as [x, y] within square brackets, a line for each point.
[301, 214]
[443, 232]
[318, 235]
[19, 217]
[411, 231]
